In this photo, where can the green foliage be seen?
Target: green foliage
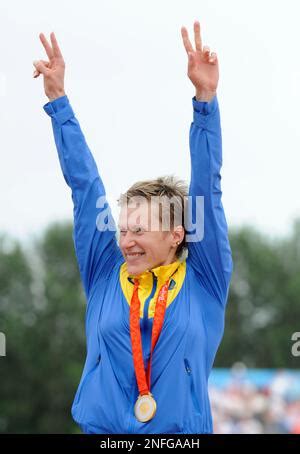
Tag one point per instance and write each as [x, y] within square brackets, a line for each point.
[263, 308]
[42, 311]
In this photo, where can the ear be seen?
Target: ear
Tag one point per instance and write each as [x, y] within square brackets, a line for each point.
[178, 235]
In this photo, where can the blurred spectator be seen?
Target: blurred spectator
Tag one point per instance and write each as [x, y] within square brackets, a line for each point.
[255, 401]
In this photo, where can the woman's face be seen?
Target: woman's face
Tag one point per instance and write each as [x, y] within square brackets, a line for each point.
[143, 243]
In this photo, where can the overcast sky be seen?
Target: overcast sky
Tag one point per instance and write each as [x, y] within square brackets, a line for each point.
[126, 80]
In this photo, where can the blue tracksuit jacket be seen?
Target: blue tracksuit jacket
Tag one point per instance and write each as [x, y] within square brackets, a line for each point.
[194, 319]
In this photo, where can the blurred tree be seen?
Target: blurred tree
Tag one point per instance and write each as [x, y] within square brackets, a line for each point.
[16, 320]
[263, 308]
[45, 335]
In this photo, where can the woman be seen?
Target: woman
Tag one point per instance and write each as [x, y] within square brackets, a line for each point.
[154, 321]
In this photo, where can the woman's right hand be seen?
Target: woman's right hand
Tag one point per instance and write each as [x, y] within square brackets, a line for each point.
[52, 70]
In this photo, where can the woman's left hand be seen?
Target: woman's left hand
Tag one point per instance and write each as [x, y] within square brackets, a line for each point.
[203, 67]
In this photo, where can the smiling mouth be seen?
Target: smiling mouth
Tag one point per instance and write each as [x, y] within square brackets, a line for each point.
[132, 255]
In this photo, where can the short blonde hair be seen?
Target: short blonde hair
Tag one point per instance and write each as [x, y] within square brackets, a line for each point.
[166, 186]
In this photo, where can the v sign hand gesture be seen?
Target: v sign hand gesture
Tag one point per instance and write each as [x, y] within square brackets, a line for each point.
[52, 70]
[203, 68]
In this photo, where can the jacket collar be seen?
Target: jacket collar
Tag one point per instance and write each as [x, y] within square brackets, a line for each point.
[162, 272]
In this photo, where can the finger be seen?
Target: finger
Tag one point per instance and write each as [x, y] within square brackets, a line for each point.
[198, 42]
[206, 50]
[191, 60]
[46, 63]
[41, 67]
[47, 46]
[206, 53]
[213, 58]
[36, 73]
[186, 42]
[55, 46]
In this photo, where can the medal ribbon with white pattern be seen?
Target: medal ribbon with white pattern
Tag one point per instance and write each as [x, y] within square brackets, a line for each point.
[145, 407]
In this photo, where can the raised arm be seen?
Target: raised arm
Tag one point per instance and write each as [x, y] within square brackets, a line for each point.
[210, 256]
[94, 228]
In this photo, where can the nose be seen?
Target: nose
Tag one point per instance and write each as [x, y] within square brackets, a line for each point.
[127, 240]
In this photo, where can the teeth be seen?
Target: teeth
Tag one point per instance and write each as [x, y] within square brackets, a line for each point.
[137, 253]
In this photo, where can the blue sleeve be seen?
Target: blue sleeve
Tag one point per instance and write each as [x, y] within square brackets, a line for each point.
[210, 255]
[96, 249]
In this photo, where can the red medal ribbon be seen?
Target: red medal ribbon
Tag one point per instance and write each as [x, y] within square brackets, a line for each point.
[135, 334]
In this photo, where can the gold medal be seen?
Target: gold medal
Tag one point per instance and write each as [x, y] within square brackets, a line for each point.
[145, 408]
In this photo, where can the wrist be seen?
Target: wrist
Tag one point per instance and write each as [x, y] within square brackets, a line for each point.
[55, 95]
[205, 95]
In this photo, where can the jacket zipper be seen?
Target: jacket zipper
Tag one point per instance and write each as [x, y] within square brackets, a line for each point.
[192, 386]
[147, 302]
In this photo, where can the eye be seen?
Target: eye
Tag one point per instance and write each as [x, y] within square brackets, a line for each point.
[123, 232]
[138, 230]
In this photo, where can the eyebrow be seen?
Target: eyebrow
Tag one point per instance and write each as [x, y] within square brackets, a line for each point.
[140, 226]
